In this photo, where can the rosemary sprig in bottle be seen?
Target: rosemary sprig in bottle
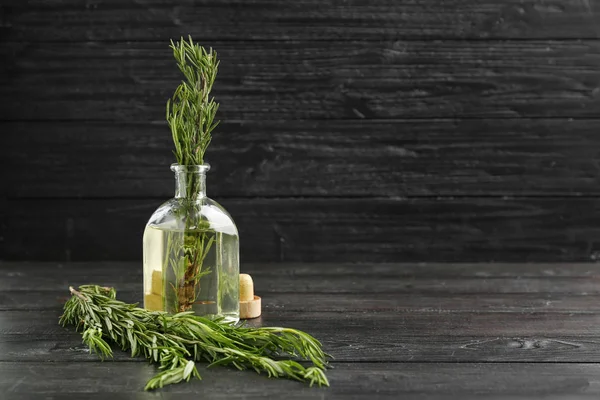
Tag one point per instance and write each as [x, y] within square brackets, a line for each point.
[191, 116]
[191, 111]
[176, 341]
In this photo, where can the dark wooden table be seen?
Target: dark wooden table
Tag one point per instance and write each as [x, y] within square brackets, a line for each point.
[428, 330]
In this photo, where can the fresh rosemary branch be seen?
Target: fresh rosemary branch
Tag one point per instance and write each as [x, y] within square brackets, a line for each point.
[191, 112]
[191, 116]
[176, 341]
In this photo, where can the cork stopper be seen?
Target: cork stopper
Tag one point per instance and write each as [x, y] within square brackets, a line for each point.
[249, 303]
[153, 301]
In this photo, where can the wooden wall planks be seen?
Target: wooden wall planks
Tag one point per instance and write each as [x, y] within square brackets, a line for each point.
[341, 229]
[310, 80]
[342, 158]
[356, 130]
[129, 20]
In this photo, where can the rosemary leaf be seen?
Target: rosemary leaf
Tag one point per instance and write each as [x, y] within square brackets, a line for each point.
[176, 342]
[191, 111]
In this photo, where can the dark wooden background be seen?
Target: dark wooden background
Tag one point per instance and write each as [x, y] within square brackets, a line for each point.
[357, 130]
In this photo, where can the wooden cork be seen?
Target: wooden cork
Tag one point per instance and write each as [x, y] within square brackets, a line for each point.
[250, 306]
[153, 301]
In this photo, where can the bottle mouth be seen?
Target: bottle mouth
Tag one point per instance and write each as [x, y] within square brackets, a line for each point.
[201, 169]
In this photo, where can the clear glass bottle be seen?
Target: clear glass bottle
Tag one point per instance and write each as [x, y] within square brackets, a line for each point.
[191, 252]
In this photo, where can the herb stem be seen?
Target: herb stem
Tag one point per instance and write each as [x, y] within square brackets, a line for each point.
[191, 111]
[176, 342]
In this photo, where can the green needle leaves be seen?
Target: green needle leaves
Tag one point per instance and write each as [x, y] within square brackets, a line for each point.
[176, 341]
[191, 112]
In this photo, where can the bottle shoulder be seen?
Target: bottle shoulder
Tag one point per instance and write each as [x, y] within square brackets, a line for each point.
[180, 214]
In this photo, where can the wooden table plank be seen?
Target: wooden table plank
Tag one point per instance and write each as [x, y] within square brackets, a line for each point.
[448, 282]
[358, 324]
[407, 301]
[384, 346]
[447, 330]
[362, 380]
[355, 284]
[52, 273]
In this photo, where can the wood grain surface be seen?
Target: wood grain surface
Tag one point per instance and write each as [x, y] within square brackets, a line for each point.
[353, 130]
[293, 229]
[110, 20]
[343, 158]
[535, 335]
[310, 80]
[354, 381]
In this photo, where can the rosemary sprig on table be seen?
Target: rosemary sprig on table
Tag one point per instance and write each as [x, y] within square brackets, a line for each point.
[191, 111]
[176, 341]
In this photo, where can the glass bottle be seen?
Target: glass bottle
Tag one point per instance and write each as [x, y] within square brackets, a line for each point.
[191, 252]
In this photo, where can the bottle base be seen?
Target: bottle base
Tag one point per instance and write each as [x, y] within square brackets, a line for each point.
[231, 320]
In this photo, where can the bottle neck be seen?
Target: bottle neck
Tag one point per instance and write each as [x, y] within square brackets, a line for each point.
[190, 181]
[190, 185]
